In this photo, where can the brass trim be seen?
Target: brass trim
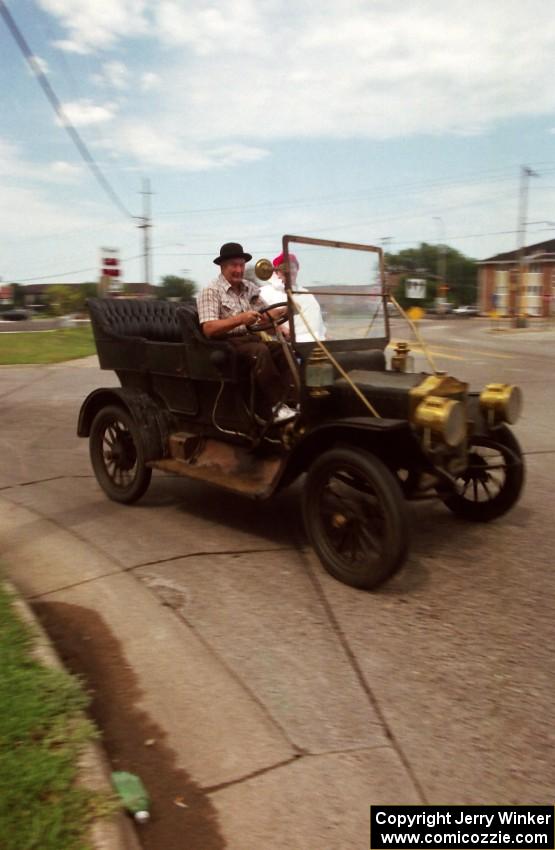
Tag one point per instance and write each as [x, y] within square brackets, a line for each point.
[501, 403]
[263, 269]
[443, 417]
[443, 386]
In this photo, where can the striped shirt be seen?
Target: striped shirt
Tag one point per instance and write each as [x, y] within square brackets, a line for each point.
[219, 300]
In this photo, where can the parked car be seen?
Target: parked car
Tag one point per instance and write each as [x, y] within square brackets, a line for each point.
[444, 309]
[466, 310]
[368, 438]
[15, 315]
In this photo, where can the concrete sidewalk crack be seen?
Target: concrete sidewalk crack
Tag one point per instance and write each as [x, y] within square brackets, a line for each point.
[44, 481]
[372, 699]
[205, 554]
[28, 384]
[72, 585]
[297, 751]
[71, 531]
[213, 789]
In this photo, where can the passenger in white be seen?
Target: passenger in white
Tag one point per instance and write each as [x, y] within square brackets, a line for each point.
[274, 292]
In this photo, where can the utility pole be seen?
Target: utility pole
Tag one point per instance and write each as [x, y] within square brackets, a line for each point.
[441, 265]
[386, 240]
[145, 227]
[442, 251]
[519, 314]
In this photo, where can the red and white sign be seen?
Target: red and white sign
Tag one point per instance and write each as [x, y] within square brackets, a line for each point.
[110, 268]
[6, 293]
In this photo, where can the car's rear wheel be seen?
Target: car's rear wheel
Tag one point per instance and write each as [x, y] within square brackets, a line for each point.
[117, 455]
[493, 479]
[355, 517]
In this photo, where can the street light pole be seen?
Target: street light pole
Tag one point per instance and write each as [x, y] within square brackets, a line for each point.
[519, 314]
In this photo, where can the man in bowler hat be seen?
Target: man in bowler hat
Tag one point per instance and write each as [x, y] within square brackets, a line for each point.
[226, 308]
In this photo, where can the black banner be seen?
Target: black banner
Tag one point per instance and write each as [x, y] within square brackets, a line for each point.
[477, 827]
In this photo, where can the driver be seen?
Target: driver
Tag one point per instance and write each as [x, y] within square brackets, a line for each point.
[230, 304]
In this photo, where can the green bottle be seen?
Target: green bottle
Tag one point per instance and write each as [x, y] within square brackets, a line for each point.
[133, 794]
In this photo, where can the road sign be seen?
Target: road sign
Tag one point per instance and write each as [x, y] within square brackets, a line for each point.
[415, 313]
[6, 293]
[110, 268]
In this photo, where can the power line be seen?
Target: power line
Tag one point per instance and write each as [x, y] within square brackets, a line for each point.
[479, 177]
[58, 109]
[67, 274]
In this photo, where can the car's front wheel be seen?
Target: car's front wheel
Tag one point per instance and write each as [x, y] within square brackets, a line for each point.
[493, 479]
[355, 517]
[117, 455]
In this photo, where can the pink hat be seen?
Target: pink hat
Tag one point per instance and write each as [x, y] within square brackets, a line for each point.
[280, 260]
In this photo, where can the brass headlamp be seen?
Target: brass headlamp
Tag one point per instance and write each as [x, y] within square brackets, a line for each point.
[501, 403]
[443, 418]
[264, 269]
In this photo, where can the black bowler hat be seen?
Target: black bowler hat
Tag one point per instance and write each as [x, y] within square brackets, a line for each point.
[231, 251]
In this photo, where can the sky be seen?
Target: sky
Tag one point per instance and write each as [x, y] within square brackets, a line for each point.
[369, 121]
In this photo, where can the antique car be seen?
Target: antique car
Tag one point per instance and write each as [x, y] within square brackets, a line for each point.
[370, 432]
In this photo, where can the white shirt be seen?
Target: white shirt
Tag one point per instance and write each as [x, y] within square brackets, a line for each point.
[274, 292]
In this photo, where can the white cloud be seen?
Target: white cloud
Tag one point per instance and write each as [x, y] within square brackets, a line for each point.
[430, 69]
[15, 167]
[234, 26]
[83, 112]
[8, 157]
[149, 81]
[68, 45]
[65, 171]
[114, 74]
[231, 76]
[94, 25]
[164, 146]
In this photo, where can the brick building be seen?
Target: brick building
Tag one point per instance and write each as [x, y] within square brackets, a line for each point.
[500, 286]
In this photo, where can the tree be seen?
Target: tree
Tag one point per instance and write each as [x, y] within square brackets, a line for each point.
[62, 300]
[18, 295]
[177, 288]
[427, 261]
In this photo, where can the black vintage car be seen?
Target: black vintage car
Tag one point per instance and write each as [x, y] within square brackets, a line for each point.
[368, 434]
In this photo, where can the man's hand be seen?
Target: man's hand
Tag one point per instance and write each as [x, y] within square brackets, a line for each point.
[249, 317]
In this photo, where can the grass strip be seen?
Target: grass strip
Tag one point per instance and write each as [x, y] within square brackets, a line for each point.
[46, 346]
[42, 732]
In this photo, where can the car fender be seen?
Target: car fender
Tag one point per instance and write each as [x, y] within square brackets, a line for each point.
[390, 439]
[152, 422]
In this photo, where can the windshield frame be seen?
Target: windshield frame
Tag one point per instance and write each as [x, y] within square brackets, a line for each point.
[358, 344]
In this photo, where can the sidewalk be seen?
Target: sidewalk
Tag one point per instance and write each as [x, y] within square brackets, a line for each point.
[220, 769]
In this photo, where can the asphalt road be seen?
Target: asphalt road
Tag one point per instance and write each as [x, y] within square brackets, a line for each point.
[449, 668]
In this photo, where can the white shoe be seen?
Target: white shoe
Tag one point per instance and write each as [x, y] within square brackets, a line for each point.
[282, 412]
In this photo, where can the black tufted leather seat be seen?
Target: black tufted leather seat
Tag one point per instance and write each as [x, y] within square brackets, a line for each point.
[153, 320]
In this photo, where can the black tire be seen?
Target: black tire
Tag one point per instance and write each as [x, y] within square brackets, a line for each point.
[117, 455]
[355, 517]
[493, 481]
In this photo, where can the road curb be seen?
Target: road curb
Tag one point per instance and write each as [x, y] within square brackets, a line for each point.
[114, 832]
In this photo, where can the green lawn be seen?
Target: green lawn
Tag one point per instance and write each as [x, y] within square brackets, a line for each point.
[42, 730]
[46, 346]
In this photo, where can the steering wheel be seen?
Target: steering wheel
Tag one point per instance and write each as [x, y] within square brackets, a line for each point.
[271, 323]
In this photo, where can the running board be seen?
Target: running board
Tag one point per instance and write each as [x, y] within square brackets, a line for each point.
[231, 467]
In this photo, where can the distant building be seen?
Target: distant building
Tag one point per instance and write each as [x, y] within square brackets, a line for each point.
[500, 287]
[36, 293]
